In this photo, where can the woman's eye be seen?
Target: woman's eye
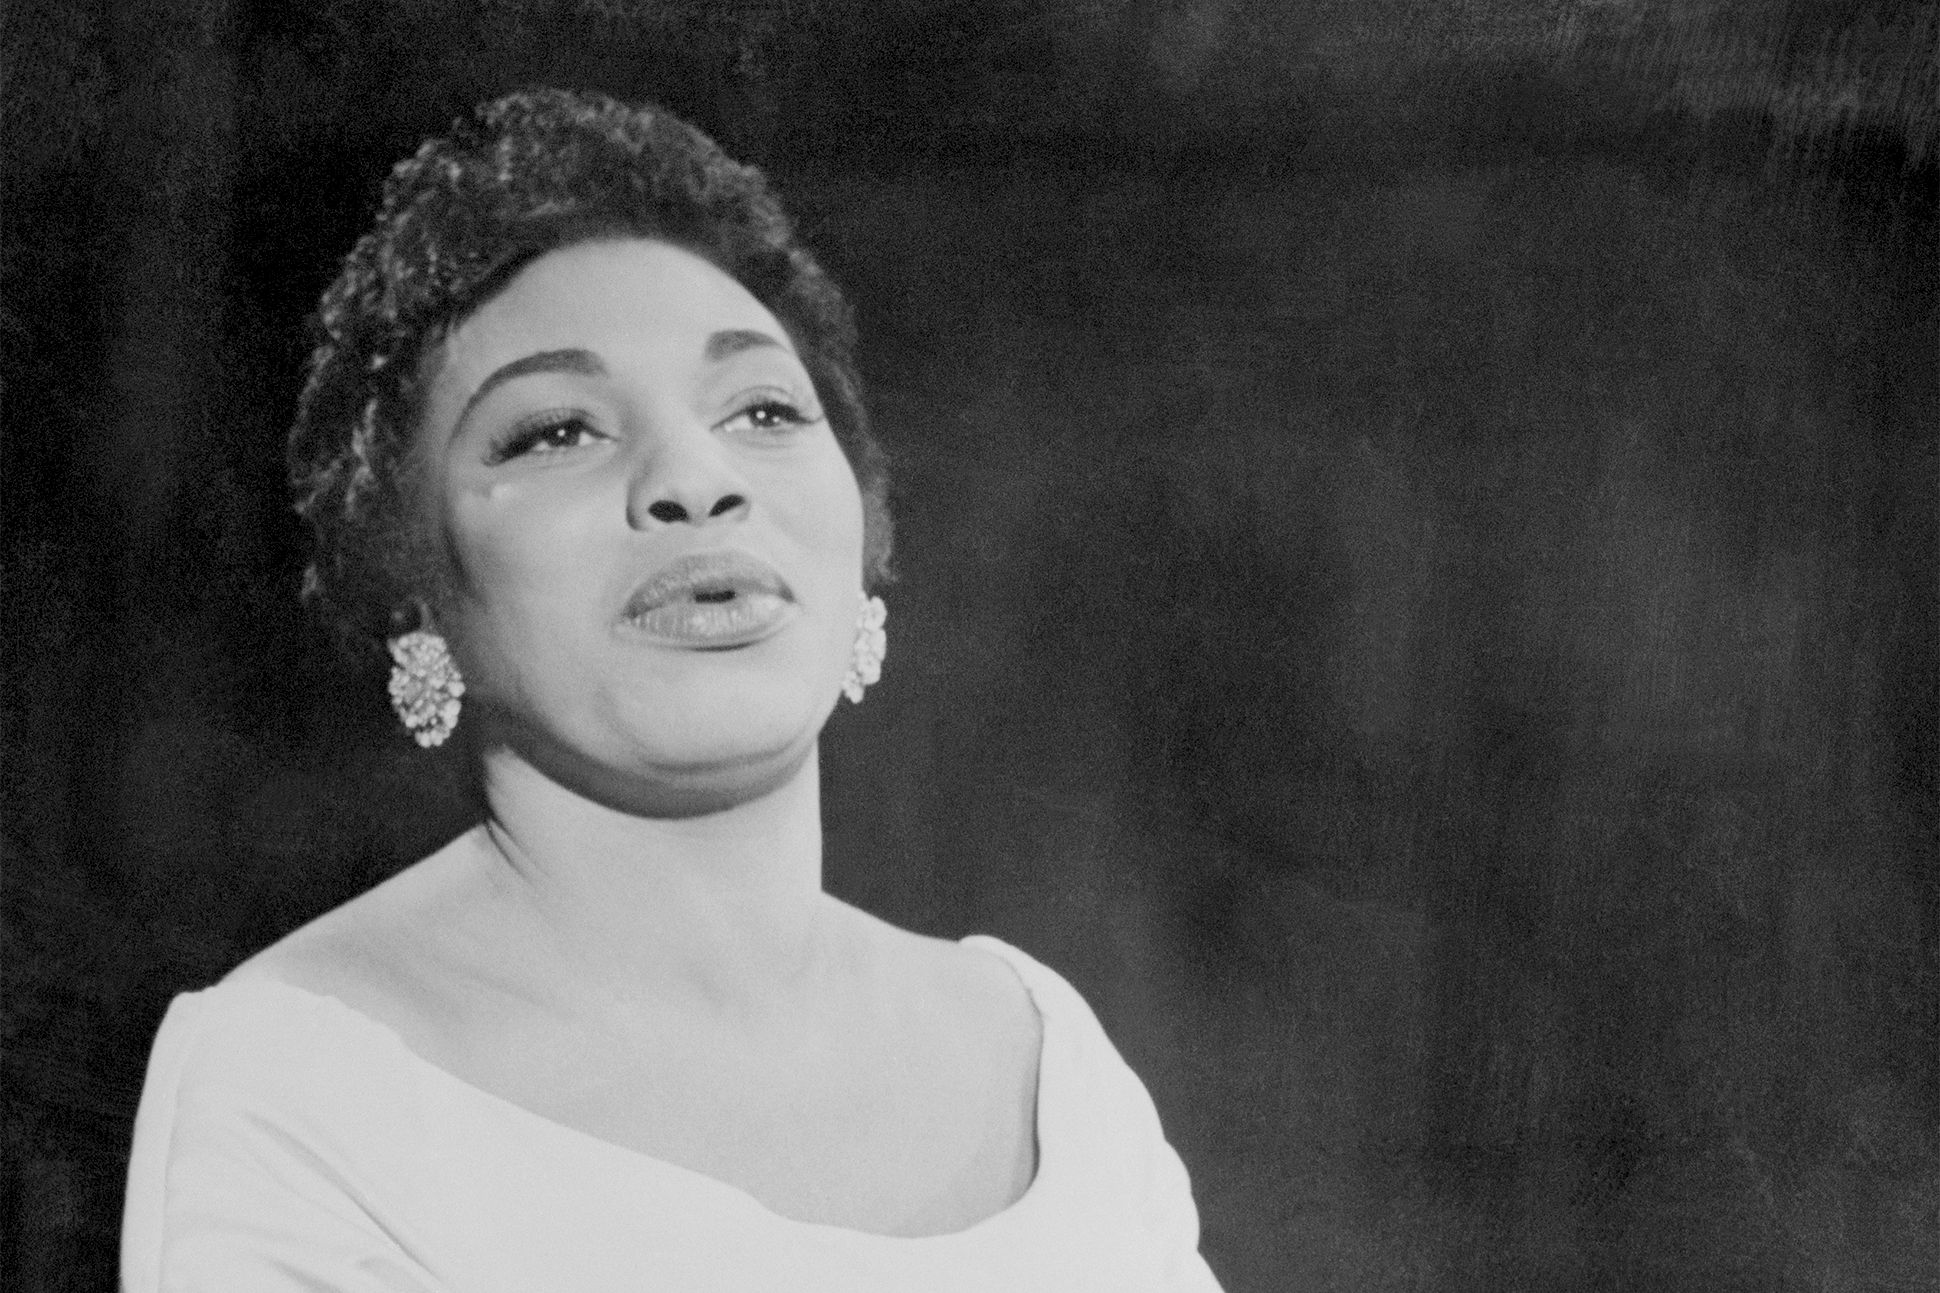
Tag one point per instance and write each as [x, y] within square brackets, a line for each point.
[772, 416]
[548, 436]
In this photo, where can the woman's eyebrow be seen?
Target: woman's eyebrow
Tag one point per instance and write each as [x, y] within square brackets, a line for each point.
[732, 341]
[583, 362]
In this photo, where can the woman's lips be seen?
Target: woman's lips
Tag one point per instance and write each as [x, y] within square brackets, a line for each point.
[741, 619]
[711, 599]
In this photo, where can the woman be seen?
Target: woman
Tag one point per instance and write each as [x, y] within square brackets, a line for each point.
[584, 441]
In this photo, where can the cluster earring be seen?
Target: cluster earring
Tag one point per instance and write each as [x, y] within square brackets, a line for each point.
[425, 686]
[871, 643]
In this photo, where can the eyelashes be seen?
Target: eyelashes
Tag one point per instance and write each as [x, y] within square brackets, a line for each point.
[773, 416]
[558, 431]
[550, 432]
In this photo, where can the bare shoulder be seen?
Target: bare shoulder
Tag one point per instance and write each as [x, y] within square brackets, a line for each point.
[976, 992]
[368, 952]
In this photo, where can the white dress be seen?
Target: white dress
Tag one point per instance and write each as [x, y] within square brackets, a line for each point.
[286, 1141]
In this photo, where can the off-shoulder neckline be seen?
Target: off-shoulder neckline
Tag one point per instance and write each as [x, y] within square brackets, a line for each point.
[1049, 1034]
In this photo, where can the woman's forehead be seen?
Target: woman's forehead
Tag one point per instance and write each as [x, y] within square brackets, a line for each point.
[630, 289]
[607, 300]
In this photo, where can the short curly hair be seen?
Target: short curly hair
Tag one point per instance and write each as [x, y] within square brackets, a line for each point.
[530, 173]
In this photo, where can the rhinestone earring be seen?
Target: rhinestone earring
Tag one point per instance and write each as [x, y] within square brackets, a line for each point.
[425, 686]
[865, 660]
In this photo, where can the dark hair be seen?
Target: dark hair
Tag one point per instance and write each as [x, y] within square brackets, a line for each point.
[530, 173]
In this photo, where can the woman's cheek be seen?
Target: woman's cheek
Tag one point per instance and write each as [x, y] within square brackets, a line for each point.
[833, 510]
[510, 539]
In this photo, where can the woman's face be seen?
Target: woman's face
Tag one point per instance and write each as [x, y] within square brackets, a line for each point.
[654, 539]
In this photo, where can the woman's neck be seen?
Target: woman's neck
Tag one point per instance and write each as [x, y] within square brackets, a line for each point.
[726, 906]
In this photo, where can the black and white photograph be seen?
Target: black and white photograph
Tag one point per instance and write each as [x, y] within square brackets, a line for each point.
[970, 646]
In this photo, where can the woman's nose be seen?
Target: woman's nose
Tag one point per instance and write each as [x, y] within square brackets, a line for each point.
[685, 478]
[669, 510]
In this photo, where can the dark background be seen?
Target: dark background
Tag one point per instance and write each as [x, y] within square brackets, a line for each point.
[1417, 536]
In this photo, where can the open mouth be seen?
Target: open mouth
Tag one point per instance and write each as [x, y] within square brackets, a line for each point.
[710, 599]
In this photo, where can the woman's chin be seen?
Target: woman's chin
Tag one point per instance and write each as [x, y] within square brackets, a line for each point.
[721, 725]
[678, 761]
[692, 782]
